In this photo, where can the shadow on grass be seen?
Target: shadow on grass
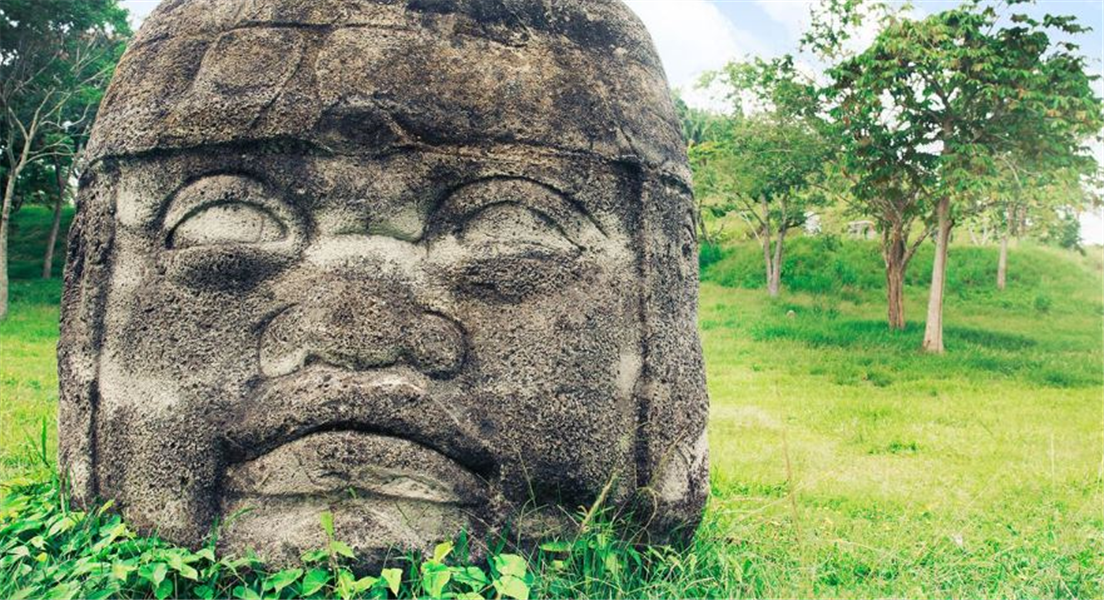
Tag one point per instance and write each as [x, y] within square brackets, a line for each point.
[871, 353]
[830, 331]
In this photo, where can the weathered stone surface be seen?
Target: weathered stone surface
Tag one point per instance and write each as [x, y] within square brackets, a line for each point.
[420, 263]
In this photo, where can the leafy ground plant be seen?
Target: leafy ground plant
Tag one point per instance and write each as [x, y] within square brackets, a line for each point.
[50, 551]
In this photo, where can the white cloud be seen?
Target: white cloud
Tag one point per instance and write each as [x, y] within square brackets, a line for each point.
[796, 17]
[139, 9]
[693, 36]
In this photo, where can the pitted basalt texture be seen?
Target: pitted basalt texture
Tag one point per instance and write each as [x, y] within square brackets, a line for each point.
[429, 265]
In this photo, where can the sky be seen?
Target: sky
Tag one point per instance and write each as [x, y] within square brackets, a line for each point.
[694, 36]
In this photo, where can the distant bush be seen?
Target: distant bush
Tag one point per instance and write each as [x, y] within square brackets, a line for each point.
[816, 265]
[1043, 303]
[30, 229]
[710, 254]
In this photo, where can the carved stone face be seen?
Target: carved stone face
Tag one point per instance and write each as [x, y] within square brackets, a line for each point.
[395, 263]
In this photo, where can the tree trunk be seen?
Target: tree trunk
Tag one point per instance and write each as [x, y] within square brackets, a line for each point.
[5, 217]
[933, 333]
[62, 186]
[768, 262]
[1002, 264]
[766, 240]
[775, 285]
[895, 252]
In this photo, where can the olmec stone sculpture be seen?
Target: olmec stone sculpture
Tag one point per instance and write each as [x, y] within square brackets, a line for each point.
[421, 263]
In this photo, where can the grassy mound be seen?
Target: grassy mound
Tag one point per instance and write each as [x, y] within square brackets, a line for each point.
[1039, 278]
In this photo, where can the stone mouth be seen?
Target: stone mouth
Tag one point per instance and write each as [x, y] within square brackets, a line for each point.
[356, 464]
[386, 419]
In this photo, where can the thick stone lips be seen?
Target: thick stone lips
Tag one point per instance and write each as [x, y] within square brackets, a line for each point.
[390, 403]
[366, 465]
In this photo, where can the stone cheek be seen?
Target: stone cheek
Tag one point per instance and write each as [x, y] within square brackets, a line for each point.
[442, 298]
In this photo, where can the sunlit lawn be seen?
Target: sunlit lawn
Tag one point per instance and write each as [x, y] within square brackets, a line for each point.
[912, 475]
[845, 463]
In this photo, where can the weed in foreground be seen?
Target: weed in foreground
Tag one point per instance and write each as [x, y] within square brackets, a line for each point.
[48, 550]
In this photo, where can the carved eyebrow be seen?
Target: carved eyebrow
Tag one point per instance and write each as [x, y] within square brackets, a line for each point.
[460, 204]
[219, 188]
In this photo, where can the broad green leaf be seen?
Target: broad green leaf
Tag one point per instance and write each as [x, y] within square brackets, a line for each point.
[177, 562]
[473, 577]
[613, 564]
[442, 551]
[281, 580]
[345, 584]
[62, 525]
[244, 593]
[435, 577]
[205, 592]
[122, 571]
[510, 564]
[313, 581]
[512, 587]
[164, 590]
[364, 584]
[342, 549]
[393, 577]
[154, 573]
[327, 523]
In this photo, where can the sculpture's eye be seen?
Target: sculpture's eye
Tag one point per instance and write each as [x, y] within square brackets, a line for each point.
[514, 253]
[513, 240]
[227, 223]
[228, 232]
[510, 227]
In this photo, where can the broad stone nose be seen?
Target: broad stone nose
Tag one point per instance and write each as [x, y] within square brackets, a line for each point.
[361, 326]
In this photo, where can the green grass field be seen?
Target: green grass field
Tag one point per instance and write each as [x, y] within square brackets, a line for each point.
[845, 463]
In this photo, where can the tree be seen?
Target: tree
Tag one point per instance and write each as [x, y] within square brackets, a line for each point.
[703, 131]
[894, 200]
[1031, 198]
[769, 161]
[57, 57]
[64, 171]
[935, 103]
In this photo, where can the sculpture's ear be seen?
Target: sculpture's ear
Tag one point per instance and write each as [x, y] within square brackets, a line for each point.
[87, 271]
[672, 455]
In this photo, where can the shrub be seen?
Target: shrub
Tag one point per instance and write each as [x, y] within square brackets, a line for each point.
[48, 550]
[710, 254]
[1043, 303]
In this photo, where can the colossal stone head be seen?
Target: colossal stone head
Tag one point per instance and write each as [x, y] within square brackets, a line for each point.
[429, 265]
